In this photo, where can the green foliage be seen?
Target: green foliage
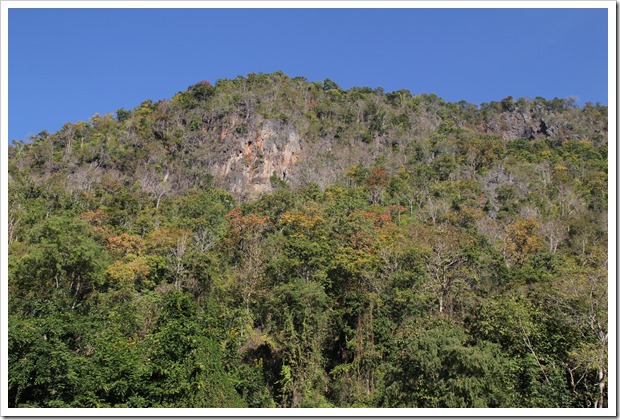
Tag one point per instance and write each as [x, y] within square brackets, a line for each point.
[62, 255]
[183, 365]
[439, 368]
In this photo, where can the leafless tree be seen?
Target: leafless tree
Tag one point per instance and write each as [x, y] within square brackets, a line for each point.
[178, 267]
[444, 262]
[556, 232]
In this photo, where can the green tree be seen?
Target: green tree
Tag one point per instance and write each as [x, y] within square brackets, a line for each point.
[439, 367]
[63, 256]
[183, 365]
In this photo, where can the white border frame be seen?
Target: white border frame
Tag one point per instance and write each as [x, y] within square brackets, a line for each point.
[6, 5]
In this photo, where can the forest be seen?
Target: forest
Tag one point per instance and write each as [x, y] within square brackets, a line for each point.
[269, 241]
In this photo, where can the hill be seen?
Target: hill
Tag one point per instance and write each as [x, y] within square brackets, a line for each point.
[241, 132]
[269, 241]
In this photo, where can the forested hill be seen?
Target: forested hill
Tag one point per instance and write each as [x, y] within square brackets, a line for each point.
[273, 242]
[239, 133]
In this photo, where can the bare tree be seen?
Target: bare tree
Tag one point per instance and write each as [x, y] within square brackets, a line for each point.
[445, 261]
[556, 232]
[178, 267]
[205, 239]
[154, 183]
[436, 207]
[13, 223]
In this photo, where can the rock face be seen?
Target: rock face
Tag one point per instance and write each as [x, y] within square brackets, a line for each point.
[516, 124]
[273, 149]
[532, 121]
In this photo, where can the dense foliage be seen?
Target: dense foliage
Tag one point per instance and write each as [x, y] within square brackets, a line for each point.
[430, 261]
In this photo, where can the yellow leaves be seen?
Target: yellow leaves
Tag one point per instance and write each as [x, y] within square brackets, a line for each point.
[333, 193]
[256, 339]
[164, 240]
[561, 174]
[179, 96]
[137, 269]
[303, 221]
[99, 121]
[546, 154]
[119, 272]
[355, 261]
[391, 236]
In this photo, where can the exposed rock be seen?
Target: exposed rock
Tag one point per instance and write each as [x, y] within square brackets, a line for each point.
[536, 121]
[521, 123]
[273, 149]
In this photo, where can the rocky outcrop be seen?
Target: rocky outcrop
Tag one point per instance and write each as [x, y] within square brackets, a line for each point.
[516, 124]
[272, 149]
[533, 121]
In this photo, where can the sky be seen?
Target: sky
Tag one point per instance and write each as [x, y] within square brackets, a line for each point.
[65, 65]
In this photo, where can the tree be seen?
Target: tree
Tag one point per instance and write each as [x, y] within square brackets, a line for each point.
[445, 259]
[521, 240]
[243, 244]
[448, 266]
[438, 367]
[297, 310]
[555, 231]
[578, 304]
[63, 255]
[183, 365]
[377, 182]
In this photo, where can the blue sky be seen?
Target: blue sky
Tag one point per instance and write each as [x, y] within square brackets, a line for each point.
[65, 65]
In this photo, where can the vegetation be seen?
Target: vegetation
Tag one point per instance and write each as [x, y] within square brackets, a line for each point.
[428, 259]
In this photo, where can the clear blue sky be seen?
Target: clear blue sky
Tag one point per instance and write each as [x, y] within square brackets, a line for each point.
[65, 65]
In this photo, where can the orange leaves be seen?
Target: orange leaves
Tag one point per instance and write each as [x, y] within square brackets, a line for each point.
[379, 177]
[521, 240]
[395, 210]
[125, 244]
[95, 218]
[375, 230]
[245, 230]
[362, 241]
[242, 224]
[385, 219]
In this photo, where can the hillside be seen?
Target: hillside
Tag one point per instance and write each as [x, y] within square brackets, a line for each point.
[241, 132]
[269, 241]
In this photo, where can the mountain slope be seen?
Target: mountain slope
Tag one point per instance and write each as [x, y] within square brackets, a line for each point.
[241, 132]
[274, 242]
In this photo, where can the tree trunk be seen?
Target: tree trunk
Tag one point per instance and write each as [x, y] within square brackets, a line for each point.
[601, 387]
